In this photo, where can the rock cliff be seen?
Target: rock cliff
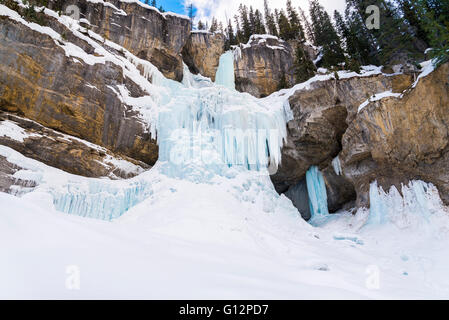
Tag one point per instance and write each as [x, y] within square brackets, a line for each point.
[261, 65]
[322, 111]
[397, 139]
[139, 28]
[40, 82]
[202, 53]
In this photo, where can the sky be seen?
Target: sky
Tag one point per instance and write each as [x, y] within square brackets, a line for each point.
[225, 9]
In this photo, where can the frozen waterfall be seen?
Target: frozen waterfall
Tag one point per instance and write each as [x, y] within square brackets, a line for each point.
[317, 193]
[225, 73]
[205, 131]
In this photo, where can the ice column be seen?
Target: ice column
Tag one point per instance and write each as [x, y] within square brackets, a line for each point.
[317, 192]
[225, 73]
[378, 206]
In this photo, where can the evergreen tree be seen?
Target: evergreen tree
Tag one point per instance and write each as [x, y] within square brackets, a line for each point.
[259, 27]
[276, 17]
[284, 26]
[296, 29]
[161, 9]
[246, 26]
[410, 11]
[395, 39]
[304, 67]
[201, 26]
[239, 33]
[308, 27]
[270, 20]
[213, 25]
[326, 36]
[230, 37]
[252, 20]
[435, 19]
[153, 3]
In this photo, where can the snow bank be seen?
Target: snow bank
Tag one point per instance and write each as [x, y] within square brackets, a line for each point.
[427, 68]
[11, 130]
[377, 97]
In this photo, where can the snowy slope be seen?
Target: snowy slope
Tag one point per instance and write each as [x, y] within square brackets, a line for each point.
[169, 246]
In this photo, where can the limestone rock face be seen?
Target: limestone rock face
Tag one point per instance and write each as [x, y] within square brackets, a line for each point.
[144, 31]
[395, 140]
[321, 112]
[260, 65]
[202, 53]
[63, 151]
[39, 82]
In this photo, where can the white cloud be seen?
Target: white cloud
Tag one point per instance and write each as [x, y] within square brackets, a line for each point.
[226, 9]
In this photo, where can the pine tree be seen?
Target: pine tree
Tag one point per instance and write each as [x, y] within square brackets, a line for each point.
[307, 26]
[259, 27]
[270, 20]
[213, 25]
[284, 26]
[395, 39]
[326, 36]
[252, 20]
[410, 11]
[201, 26]
[230, 37]
[239, 33]
[153, 3]
[296, 29]
[304, 67]
[246, 26]
[435, 19]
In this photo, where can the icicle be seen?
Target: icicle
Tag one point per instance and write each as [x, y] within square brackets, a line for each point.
[378, 209]
[337, 166]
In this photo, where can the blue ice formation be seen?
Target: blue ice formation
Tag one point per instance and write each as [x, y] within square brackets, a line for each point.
[317, 193]
[225, 72]
[208, 128]
[100, 199]
[378, 207]
[203, 130]
[415, 204]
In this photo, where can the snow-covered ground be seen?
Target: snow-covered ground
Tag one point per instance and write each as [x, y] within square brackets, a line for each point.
[179, 243]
